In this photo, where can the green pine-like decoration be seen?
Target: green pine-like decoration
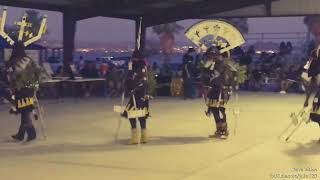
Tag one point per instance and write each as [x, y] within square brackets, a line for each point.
[152, 83]
[240, 71]
[29, 78]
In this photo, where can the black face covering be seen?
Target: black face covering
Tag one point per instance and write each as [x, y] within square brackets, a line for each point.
[138, 65]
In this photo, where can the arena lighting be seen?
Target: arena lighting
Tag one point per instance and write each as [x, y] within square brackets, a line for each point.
[85, 50]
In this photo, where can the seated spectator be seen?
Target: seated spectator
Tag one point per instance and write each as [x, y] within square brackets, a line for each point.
[104, 70]
[290, 77]
[255, 76]
[59, 71]
[115, 82]
[89, 70]
[266, 65]
[282, 48]
[289, 47]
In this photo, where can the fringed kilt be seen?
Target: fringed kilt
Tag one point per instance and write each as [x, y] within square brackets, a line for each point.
[218, 96]
[24, 100]
[142, 110]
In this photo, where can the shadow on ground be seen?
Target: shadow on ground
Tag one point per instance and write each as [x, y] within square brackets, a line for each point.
[308, 149]
[36, 148]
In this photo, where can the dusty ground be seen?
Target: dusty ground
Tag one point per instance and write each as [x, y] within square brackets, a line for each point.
[81, 145]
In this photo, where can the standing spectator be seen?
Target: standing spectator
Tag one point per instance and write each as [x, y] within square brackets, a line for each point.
[245, 60]
[2, 85]
[188, 74]
[89, 71]
[251, 50]
[156, 68]
[198, 62]
[237, 53]
[176, 85]
[166, 72]
[256, 78]
[80, 63]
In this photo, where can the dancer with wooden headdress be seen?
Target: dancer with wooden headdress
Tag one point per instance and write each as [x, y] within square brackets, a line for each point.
[22, 77]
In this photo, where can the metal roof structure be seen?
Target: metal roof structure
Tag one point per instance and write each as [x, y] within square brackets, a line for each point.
[275, 9]
[162, 11]
[154, 12]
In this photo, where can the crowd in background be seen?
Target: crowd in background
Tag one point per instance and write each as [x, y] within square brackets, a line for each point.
[273, 71]
[266, 71]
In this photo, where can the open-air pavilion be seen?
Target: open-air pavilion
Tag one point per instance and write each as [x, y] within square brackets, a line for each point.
[154, 12]
[81, 145]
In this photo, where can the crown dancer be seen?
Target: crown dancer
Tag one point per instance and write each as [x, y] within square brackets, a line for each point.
[138, 105]
[220, 81]
[312, 68]
[22, 77]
